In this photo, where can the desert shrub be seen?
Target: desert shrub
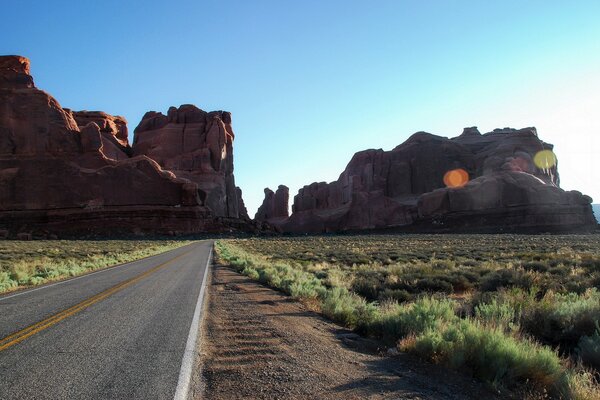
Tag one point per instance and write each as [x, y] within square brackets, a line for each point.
[434, 285]
[470, 263]
[347, 308]
[489, 353]
[581, 385]
[6, 281]
[442, 264]
[506, 278]
[561, 319]
[21, 271]
[398, 295]
[336, 278]
[588, 349]
[251, 272]
[592, 264]
[498, 314]
[427, 313]
[462, 282]
[396, 321]
[367, 286]
[36, 280]
[535, 266]
[305, 287]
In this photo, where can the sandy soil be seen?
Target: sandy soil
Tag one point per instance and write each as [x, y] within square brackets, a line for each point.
[258, 343]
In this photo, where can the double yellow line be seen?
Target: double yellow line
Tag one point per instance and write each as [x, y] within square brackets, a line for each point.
[31, 330]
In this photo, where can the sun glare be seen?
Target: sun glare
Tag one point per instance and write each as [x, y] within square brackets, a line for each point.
[544, 159]
[456, 178]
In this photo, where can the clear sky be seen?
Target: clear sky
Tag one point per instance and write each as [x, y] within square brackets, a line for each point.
[311, 82]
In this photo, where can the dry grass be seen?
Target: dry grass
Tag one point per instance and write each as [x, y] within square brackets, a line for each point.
[27, 263]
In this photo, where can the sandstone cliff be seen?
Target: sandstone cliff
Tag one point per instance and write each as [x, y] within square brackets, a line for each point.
[195, 145]
[412, 186]
[63, 171]
[275, 205]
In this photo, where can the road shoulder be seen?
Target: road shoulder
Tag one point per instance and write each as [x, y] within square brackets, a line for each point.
[258, 343]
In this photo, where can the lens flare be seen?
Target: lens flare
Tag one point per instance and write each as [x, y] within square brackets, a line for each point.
[544, 159]
[456, 178]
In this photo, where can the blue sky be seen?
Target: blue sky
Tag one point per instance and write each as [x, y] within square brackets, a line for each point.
[309, 83]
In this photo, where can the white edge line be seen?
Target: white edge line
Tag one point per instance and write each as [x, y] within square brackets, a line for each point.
[109, 268]
[187, 363]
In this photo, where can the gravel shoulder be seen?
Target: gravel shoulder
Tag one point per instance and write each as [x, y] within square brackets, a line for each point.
[258, 343]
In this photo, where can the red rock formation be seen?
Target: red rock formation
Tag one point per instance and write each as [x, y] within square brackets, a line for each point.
[63, 171]
[195, 145]
[275, 205]
[405, 186]
[31, 121]
[113, 131]
[241, 206]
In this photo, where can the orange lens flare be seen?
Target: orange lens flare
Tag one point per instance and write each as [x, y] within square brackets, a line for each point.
[456, 178]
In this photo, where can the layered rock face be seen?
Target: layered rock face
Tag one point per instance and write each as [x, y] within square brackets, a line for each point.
[113, 131]
[195, 145]
[274, 208]
[64, 171]
[405, 187]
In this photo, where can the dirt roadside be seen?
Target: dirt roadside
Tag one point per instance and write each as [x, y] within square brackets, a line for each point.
[257, 343]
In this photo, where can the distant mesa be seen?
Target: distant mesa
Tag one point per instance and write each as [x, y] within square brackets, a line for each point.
[74, 172]
[65, 172]
[471, 183]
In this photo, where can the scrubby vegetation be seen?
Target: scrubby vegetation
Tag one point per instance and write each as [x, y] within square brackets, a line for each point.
[509, 309]
[24, 263]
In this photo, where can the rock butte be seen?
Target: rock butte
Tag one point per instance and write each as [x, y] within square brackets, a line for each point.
[403, 189]
[65, 172]
[274, 208]
[74, 172]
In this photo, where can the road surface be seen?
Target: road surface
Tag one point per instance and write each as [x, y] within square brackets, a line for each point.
[122, 333]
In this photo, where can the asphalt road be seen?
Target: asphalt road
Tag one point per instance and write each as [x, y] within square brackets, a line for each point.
[120, 333]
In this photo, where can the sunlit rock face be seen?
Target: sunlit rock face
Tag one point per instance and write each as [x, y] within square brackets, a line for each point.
[64, 171]
[113, 132]
[475, 181]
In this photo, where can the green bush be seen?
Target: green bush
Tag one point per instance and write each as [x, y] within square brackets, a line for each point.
[251, 272]
[399, 295]
[6, 281]
[498, 314]
[347, 308]
[395, 321]
[562, 319]
[507, 278]
[489, 353]
[367, 287]
[588, 349]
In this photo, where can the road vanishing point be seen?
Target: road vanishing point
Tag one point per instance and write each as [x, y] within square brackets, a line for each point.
[126, 332]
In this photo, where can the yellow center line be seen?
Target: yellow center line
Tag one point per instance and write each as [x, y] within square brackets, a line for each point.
[31, 330]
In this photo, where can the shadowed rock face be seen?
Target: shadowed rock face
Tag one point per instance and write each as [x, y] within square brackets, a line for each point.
[275, 205]
[241, 206]
[64, 171]
[405, 187]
